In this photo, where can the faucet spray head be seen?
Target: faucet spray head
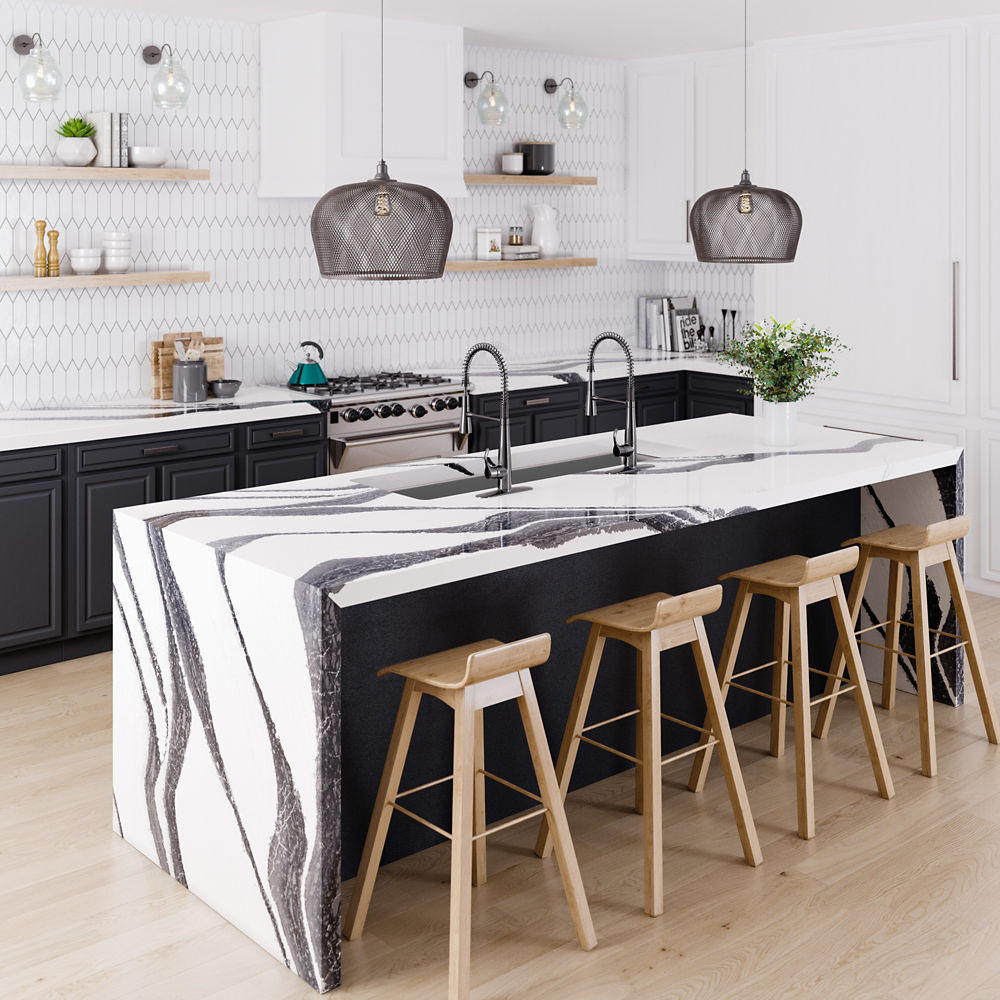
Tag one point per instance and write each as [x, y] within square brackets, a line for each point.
[590, 408]
[464, 423]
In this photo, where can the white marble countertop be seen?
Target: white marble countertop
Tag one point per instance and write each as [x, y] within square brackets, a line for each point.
[42, 427]
[374, 543]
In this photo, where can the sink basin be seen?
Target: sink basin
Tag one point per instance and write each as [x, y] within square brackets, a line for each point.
[476, 483]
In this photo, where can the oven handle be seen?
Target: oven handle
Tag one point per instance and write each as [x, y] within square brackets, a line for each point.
[345, 444]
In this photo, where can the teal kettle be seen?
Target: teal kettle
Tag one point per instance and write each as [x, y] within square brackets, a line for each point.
[308, 372]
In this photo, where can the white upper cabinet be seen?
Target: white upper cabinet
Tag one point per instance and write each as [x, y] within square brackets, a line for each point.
[319, 106]
[685, 136]
[867, 132]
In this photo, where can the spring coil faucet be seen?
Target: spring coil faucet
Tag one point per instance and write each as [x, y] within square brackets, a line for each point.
[501, 469]
[626, 450]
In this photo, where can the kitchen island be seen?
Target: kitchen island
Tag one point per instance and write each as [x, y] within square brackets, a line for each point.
[249, 727]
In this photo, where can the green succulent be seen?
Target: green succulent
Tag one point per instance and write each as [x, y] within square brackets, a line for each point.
[76, 128]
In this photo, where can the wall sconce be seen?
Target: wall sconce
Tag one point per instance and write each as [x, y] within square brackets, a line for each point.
[572, 111]
[39, 78]
[170, 84]
[492, 101]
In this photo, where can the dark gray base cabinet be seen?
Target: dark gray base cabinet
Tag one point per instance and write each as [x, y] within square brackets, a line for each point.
[708, 395]
[56, 507]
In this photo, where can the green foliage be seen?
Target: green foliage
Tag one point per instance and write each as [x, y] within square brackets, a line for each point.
[785, 360]
[76, 128]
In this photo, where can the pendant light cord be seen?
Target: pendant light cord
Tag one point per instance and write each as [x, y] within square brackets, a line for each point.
[746, 84]
[381, 74]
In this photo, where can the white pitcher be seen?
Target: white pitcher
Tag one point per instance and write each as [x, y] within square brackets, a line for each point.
[544, 232]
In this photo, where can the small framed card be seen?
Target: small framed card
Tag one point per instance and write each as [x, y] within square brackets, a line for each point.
[488, 245]
[686, 325]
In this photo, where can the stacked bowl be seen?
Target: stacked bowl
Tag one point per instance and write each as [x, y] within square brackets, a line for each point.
[85, 260]
[117, 252]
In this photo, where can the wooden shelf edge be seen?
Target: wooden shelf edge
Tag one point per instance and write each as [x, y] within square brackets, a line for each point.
[530, 179]
[28, 283]
[12, 172]
[520, 265]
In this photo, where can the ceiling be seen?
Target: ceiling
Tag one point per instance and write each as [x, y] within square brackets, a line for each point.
[623, 30]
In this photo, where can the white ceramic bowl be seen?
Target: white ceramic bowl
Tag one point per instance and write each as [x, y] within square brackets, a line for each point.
[121, 235]
[118, 261]
[86, 265]
[117, 241]
[117, 266]
[117, 247]
[147, 156]
[83, 252]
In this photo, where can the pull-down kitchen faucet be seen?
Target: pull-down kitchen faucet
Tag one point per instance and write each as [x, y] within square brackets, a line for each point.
[501, 469]
[626, 450]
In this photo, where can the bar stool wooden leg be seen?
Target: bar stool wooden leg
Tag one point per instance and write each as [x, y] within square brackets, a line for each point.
[779, 679]
[727, 663]
[479, 805]
[800, 708]
[727, 749]
[890, 660]
[552, 798]
[574, 726]
[649, 727]
[357, 911]
[638, 704]
[857, 595]
[922, 643]
[862, 697]
[460, 934]
[968, 631]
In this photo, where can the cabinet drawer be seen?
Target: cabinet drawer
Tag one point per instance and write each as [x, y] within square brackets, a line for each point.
[156, 448]
[284, 432]
[19, 465]
[720, 384]
[530, 400]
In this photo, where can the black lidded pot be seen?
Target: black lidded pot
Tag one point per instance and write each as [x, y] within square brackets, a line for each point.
[539, 157]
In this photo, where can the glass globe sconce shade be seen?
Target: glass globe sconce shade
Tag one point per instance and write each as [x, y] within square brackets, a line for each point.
[491, 104]
[170, 85]
[39, 79]
[572, 111]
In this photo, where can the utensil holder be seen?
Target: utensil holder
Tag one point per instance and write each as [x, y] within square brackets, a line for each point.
[190, 381]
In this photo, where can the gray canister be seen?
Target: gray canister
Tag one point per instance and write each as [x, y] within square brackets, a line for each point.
[190, 381]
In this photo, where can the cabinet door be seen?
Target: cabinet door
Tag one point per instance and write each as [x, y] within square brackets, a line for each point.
[96, 496]
[657, 409]
[867, 132]
[180, 480]
[31, 518]
[274, 467]
[718, 120]
[660, 164]
[553, 425]
[487, 434]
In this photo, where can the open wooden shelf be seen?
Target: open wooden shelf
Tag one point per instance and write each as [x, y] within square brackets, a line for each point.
[529, 179]
[29, 283]
[11, 172]
[519, 265]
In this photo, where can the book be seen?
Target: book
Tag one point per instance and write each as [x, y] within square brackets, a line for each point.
[101, 120]
[116, 139]
[123, 148]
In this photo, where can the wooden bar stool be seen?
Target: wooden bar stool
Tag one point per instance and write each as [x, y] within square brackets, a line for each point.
[470, 679]
[795, 582]
[909, 546]
[653, 624]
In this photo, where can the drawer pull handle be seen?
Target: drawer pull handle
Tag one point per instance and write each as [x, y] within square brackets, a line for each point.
[296, 432]
[541, 401]
[166, 449]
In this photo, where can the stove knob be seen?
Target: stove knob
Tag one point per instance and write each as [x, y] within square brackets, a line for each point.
[350, 415]
[418, 410]
[398, 409]
[438, 404]
[384, 410]
[367, 413]
[452, 403]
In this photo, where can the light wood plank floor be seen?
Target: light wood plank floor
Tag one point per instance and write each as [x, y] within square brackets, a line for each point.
[892, 900]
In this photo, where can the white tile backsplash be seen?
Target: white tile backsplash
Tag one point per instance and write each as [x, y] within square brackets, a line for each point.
[265, 295]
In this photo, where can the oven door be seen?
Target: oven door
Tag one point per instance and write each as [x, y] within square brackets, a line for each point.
[351, 454]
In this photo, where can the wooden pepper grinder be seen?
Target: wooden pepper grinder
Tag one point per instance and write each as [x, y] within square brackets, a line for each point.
[53, 253]
[41, 258]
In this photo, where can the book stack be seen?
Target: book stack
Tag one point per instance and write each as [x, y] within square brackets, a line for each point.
[526, 251]
[110, 138]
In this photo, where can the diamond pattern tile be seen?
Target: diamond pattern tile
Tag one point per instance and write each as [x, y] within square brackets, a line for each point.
[266, 295]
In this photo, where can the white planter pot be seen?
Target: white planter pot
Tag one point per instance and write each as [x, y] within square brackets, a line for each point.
[75, 151]
[778, 423]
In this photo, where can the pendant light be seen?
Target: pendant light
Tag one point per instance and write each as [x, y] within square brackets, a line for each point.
[746, 224]
[382, 229]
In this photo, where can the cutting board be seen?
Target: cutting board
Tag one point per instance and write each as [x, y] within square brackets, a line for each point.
[162, 356]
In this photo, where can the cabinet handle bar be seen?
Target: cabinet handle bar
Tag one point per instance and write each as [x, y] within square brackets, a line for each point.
[166, 449]
[296, 432]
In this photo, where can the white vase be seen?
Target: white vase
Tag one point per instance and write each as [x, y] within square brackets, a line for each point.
[75, 151]
[544, 232]
[778, 421]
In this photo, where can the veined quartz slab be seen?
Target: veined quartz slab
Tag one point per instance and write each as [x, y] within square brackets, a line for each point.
[228, 670]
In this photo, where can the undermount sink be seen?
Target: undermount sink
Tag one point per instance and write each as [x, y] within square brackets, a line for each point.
[410, 483]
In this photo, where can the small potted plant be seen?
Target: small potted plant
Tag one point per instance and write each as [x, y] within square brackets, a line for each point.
[76, 147]
[785, 361]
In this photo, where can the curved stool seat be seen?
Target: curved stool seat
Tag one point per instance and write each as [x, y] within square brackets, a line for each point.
[652, 624]
[470, 679]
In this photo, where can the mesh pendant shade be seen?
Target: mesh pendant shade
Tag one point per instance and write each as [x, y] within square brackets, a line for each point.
[745, 224]
[381, 230]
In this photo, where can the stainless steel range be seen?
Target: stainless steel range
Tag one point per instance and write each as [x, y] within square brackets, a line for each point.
[390, 417]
